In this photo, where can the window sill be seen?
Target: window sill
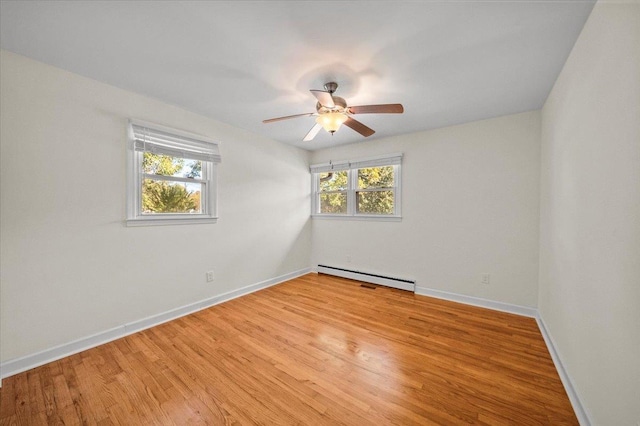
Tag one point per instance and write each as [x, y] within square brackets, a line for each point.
[160, 220]
[358, 217]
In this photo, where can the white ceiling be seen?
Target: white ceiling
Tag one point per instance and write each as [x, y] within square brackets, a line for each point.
[242, 62]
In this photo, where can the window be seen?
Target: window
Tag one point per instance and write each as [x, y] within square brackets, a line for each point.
[365, 188]
[171, 176]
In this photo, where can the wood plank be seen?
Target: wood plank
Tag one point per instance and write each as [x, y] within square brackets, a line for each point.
[314, 350]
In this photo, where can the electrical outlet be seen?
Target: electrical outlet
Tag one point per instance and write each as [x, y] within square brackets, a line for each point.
[485, 278]
[209, 276]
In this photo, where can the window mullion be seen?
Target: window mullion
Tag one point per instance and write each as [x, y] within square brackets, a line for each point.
[351, 194]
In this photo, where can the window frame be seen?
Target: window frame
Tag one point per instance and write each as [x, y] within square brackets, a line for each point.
[352, 167]
[136, 177]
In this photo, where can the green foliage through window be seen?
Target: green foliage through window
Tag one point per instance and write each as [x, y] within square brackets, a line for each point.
[161, 196]
[333, 181]
[375, 177]
[333, 188]
[333, 203]
[376, 201]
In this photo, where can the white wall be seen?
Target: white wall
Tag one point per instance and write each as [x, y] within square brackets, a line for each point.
[470, 206]
[69, 266]
[590, 215]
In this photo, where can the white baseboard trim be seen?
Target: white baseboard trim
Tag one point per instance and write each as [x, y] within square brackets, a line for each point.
[578, 408]
[477, 301]
[18, 365]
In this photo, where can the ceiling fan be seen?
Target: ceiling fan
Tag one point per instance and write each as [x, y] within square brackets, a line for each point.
[332, 112]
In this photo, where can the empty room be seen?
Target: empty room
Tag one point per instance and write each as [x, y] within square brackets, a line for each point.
[320, 212]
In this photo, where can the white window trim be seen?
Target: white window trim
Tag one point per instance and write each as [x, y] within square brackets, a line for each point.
[394, 160]
[209, 200]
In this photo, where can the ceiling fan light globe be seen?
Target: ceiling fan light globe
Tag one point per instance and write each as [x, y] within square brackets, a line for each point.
[331, 121]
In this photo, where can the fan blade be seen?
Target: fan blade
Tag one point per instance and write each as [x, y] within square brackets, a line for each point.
[359, 127]
[325, 98]
[271, 120]
[377, 109]
[312, 133]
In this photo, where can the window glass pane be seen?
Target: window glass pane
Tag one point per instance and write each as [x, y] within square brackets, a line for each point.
[160, 196]
[166, 165]
[375, 202]
[375, 177]
[333, 181]
[335, 203]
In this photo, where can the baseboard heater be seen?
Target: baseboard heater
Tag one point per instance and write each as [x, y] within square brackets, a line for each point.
[400, 283]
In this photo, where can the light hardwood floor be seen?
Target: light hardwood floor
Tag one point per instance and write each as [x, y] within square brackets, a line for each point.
[314, 350]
